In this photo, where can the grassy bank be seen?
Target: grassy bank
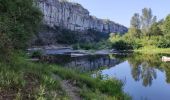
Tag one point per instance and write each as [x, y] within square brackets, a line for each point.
[22, 79]
[152, 50]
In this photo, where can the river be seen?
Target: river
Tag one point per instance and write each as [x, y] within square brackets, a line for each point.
[145, 76]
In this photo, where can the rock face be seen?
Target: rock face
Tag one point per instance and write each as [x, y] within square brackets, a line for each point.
[73, 16]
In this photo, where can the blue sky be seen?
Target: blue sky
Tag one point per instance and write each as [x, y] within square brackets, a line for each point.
[121, 11]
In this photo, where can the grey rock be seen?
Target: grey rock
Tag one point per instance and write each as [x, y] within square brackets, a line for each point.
[72, 16]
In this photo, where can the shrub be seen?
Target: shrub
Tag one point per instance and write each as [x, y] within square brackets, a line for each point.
[163, 43]
[85, 46]
[108, 86]
[136, 44]
[36, 54]
[121, 45]
[5, 47]
[19, 20]
[104, 44]
[75, 46]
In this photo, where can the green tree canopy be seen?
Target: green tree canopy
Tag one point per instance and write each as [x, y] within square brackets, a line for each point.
[135, 21]
[147, 19]
[166, 25]
[155, 30]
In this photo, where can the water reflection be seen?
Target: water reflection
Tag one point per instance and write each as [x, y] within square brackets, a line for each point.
[145, 76]
[143, 67]
[83, 63]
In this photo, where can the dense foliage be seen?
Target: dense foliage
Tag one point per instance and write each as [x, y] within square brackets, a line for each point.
[67, 37]
[144, 31]
[103, 44]
[19, 20]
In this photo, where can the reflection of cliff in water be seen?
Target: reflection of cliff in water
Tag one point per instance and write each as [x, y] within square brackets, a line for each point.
[84, 63]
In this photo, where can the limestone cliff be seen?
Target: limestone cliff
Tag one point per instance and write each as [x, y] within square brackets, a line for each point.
[72, 16]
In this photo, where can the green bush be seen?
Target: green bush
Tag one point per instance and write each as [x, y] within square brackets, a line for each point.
[19, 20]
[85, 46]
[108, 86]
[164, 42]
[36, 54]
[104, 44]
[121, 45]
[75, 46]
[5, 47]
[136, 44]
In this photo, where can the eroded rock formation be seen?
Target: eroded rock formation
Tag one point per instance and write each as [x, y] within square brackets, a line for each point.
[72, 16]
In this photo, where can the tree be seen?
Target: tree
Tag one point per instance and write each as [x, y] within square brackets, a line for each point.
[166, 25]
[135, 21]
[147, 20]
[135, 24]
[134, 33]
[155, 30]
[19, 20]
[154, 20]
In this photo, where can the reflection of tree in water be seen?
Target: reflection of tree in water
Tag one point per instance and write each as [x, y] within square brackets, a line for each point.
[148, 74]
[144, 67]
[166, 67]
[168, 75]
[136, 71]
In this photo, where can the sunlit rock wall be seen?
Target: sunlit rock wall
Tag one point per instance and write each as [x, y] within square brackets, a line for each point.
[73, 16]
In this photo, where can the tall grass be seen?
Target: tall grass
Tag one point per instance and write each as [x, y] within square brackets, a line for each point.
[153, 50]
[94, 87]
[20, 78]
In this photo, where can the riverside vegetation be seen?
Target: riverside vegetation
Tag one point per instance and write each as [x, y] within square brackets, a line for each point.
[23, 79]
[145, 34]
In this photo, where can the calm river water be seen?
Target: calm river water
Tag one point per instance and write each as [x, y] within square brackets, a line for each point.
[145, 76]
